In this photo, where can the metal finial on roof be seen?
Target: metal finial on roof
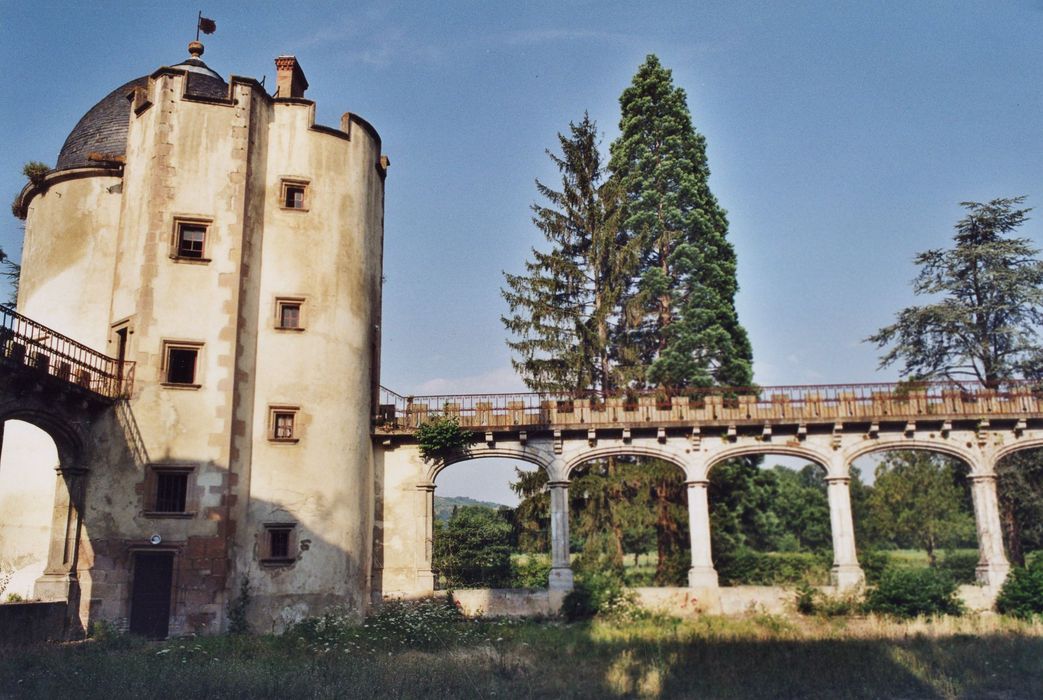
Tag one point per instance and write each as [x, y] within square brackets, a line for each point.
[195, 49]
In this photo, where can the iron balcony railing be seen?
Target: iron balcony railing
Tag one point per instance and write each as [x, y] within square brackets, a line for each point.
[26, 343]
[812, 403]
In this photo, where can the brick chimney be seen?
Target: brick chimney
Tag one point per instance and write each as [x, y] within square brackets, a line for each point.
[290, 80]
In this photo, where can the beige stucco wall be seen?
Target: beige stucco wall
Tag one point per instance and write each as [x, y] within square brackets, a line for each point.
[68, 255]
[329, 256]
[401, 527]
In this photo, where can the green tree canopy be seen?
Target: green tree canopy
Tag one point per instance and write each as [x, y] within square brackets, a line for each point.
[683, 329]
[564, 308]
[916, 502]
[473, 548]
[984, 325]
[986, 321]
[802, 509]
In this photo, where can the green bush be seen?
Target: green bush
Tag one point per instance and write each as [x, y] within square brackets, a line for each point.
[960, 565]
[811, 601]
[905, 593]
[806, 595]
[594, 593]
[473, 549]
[1022, 592]
[440, 437]
[750, 568]
[873, 562]
[36, 172]
[530, 571]
[431, 623]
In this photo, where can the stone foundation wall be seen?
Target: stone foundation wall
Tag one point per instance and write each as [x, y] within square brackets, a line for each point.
[22, 624]
[678, 602]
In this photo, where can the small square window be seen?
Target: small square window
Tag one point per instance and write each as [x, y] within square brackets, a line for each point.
[288, 314]
[191, 240]
[167, 490]
[278, 544]
[181, 364]
[171, 491]
[294, 195]
[282, 423]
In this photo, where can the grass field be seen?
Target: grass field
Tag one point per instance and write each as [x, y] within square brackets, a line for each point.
[753, 657]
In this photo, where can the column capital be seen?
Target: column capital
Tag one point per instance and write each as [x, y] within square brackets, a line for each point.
[697, 482]
[975, 478]
[835, 479]
[429, 487]
[559, 484]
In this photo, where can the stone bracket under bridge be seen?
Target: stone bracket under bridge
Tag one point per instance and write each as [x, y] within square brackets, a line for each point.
[831, 426]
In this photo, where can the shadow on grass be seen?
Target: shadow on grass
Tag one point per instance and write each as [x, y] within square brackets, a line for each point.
[538, 660]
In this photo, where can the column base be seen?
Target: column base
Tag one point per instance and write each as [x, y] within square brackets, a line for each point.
[992, 575]
[702, 577]
[848, 577]
[560, 579]
[52, 588]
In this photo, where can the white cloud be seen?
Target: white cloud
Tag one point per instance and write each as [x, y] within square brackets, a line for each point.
[497, 381]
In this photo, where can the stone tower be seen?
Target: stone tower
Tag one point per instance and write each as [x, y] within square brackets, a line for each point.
[231, 249]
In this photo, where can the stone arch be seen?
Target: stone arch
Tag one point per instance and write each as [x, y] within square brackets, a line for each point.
[808, 453]
[1021, 446]
[969, 459]
[521, 454]
[624, 451]
[67, 423]
[69, 435]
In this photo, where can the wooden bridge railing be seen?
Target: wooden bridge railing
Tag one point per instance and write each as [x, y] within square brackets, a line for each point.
[28, 345]
[812, 403]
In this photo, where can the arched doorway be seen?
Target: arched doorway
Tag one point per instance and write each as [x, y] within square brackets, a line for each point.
[770, 520]
[28, 461]
[913, 509]
[491, 524]
[1020, 491]
[628, 518]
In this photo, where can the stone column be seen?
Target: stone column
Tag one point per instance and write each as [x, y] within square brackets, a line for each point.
[560, 566]
[846, 573]
[702, 574]
[425, 534]
[59, 578]
[993, 566]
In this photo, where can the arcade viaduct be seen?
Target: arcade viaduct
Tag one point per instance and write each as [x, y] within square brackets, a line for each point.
[827, 425]
[76, 394]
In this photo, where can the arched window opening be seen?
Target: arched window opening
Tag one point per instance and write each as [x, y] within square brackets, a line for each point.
[491, 525]
[915, 510]
[629, 519]
[770, 521]
[27, 492]
[1020, 491]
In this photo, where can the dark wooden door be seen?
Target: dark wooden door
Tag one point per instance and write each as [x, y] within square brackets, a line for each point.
[150, 597]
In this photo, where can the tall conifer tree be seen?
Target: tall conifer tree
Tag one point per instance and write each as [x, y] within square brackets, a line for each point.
[683, 327]
[564, 309]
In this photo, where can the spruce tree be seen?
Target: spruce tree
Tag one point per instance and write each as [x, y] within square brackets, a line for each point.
[563, 309]
[683, 329]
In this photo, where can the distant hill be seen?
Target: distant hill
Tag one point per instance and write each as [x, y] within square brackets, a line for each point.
[444, 505]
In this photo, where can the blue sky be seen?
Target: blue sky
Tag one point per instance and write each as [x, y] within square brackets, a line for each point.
[841, 138]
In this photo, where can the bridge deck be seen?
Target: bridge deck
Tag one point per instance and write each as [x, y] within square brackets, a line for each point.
[818, 404]
[34, 351]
